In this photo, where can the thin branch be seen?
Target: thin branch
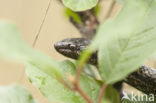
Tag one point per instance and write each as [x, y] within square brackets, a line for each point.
[110, 9]
[81, 92]
[66, 85]
[78, 73]
[80, 66]
[41, 26]
[102, 93]
[77, 88]
[37, 35]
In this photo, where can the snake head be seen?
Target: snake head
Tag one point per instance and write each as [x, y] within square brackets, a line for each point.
[72, 47]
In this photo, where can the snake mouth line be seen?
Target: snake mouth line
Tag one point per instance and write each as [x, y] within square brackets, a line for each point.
[69, 53]
[66, 50]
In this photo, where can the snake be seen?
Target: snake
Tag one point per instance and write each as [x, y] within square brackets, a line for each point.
[143, 79]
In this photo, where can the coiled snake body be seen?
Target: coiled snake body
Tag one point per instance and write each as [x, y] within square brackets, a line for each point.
[144, 79]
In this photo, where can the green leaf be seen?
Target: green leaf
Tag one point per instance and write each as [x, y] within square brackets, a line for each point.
[15, 94]
[55, 91]
[50, 87]
[111, 95]
[73, 15]
[84, 57]
[13, 47]
[11, 44]
[80, 5]
[43, 71]
[121, 1]
[126, 42]
[97, 9]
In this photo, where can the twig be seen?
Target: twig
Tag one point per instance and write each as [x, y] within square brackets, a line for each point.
[81, 64]
[77, 88]
[41, 26]
[78, 73]
[66, 85]
[37, 35]
[102, 93]
[81, 92]
[110, 9]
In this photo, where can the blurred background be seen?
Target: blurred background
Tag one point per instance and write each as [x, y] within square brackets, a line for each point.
[28, 15]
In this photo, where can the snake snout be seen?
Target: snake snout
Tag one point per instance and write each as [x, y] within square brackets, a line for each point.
[57, 46]
[67, 48]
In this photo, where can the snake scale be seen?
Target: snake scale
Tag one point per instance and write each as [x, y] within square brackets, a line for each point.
[144, 79]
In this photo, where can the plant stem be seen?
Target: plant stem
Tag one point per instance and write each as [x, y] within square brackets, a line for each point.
[81, 92]
[66, 85]
[102, 93]
[41, 26]
[76, 86]
[78, 73]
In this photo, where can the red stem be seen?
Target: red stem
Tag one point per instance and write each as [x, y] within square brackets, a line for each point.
[102, 93]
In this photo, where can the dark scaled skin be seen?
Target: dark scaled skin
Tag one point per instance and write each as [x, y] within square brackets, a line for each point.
[73, 47]
[144, 79]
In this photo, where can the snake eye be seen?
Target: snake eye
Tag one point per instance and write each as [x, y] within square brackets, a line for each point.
[68, 45]
[72, 46]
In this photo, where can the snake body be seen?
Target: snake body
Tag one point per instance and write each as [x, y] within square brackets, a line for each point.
[144, 79]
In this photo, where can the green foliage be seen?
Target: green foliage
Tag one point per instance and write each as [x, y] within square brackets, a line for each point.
[96, 10]
[15, 94]
[111, 95]
[55, 91]
[73, 15]
[43, 71]
[125, 42]
[9, 37]
[13, 47]
[80, 5]
[84, 57]
[50, 87]
[121, 1]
